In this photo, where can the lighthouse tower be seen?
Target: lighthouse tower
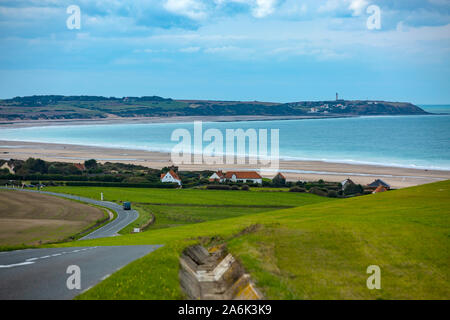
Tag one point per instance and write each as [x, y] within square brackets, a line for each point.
[337, 96]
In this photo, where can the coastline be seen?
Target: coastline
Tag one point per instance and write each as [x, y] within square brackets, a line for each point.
[6, 124]
[398, 177]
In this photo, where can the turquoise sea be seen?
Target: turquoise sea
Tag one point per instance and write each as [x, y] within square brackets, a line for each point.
[405, 141]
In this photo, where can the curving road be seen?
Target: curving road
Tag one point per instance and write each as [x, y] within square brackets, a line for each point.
[44, 273]
[111, 229]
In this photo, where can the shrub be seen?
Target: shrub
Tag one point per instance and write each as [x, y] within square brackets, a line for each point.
[218, 187]
[245, 187]
[234, 187]
[297, 189]
[332, 194]
[353, 189]
[318, 191]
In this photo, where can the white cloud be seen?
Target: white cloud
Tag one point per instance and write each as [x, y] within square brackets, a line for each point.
[259, 8]
[358, 6]
[330, 5]
[264, 8]
[192, 9]
[221, 49]
[190, 49]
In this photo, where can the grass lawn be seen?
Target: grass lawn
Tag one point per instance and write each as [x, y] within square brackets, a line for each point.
[193, 196]
[315, 251]
[178, 215]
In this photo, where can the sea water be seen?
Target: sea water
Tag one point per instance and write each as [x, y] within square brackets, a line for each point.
[418, 141]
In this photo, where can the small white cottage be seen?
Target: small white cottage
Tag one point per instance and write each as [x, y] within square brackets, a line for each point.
[170, 177]
[217, 177]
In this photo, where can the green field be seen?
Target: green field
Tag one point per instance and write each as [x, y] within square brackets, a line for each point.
[174, 216]
[317, 250]
[195, 196]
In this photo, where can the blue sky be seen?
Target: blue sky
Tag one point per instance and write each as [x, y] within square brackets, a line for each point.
[271, 50]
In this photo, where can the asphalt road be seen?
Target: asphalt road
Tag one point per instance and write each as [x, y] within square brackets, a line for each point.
[124, 217]
[42, 273]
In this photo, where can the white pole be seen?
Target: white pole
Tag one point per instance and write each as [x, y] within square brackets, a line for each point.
[101, 196]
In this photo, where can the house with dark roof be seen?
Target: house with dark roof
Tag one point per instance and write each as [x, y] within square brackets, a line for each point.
[243, 176]
[376, 183]
[170, 177]
[346, 182]
[279, 179]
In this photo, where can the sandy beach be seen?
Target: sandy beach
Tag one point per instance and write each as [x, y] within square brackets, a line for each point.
[142, 120]
[293, 170]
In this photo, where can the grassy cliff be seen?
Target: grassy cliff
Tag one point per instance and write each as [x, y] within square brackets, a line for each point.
[93, 107]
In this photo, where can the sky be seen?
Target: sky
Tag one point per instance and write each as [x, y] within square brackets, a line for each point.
[265, 50]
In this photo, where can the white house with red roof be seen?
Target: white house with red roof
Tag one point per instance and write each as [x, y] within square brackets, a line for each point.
[171, 177]
[243, 176]
[218, 176]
